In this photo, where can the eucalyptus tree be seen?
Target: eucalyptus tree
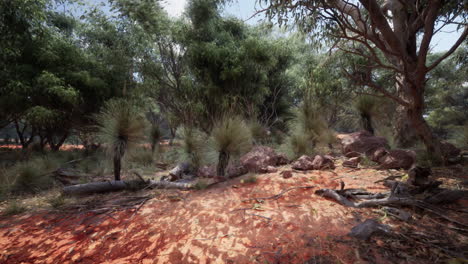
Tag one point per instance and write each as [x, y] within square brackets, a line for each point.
[385, 34]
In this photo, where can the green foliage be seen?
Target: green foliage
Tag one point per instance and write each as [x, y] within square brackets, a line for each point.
[250, 179]
[260, 134]
[121, 126]
[297, 144]
[14, 208]
[141, 157]
[30, 176]
[365, 104]
[193, 149]
[57, 201]
[201, 185]
[231, 135]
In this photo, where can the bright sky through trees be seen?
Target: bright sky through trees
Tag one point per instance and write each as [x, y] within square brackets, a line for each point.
[244, 9]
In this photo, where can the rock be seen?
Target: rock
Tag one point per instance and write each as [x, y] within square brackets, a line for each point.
[365, 230]
[236, 170]
[287, 174]
[282, 159]
[362, 142]
[303, 163]
[270, 169]
[206, 172]
[260, 157]
[352, 154]
[352, 162]
[397, 159]
[323, 162]
[378, 153]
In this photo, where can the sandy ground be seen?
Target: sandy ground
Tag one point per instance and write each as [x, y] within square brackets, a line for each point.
[206, 226]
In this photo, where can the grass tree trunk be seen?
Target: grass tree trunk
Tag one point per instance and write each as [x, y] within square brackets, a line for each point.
[223, 161]
[117, 166]
[367, 123]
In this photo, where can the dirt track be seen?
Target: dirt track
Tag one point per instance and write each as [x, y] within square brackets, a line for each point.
[202, 227]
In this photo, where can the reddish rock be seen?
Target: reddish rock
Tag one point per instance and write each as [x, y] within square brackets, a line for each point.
[322, 162]
[236, 170]
[362, 142]
[378, 153]
[397, 159]
[271, 169]
[282, 159]
[352, 162]
[260, 157]
[287, 174]
[352, 154]
[303, 163]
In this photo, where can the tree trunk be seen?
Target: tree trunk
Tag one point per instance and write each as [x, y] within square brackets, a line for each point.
[117, 166]
[367, 123]
[405, 135]
[223, 160]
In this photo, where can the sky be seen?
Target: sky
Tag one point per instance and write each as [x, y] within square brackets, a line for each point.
[244, 9]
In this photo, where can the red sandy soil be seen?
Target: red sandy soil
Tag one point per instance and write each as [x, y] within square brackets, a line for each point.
[204, 226]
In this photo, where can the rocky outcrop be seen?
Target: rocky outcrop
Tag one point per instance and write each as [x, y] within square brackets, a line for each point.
[352, 162]
[303, 163]
[323, 162]
[319, 162]
[377, 154]
[397, 159]
[362, 142]
[260, 157]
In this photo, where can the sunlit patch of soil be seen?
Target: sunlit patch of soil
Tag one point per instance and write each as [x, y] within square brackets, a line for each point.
[208, 226]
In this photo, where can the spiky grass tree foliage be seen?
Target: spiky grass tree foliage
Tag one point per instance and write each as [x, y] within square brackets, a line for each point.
[121, 127]
[307, 129]
[230, 136]
[259, 132]
[193, 146]
[309, 120]
[365, 106]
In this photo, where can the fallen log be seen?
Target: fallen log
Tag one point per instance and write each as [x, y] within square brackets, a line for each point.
[112, 186]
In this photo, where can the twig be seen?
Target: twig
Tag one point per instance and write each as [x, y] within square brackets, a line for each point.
[268, 218]
[277, 196]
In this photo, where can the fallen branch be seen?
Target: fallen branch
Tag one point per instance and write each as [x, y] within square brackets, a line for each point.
[277, 196]
[110, 186]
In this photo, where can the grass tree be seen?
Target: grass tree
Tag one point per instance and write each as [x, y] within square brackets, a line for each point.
[155, 136]
[230, 136]
[121, 128]
[365, 106]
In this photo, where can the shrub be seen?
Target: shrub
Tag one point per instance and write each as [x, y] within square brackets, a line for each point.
[251, 179]
[14, 208]
[57, 201]
[259, 132]
[141, 157]
[121, 128]
[296, 145]
[200, 185]
[365, 106]
[230, 136]
[193, 147]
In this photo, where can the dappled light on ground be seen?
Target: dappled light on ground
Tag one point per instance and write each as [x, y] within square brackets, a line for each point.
[213, 225]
